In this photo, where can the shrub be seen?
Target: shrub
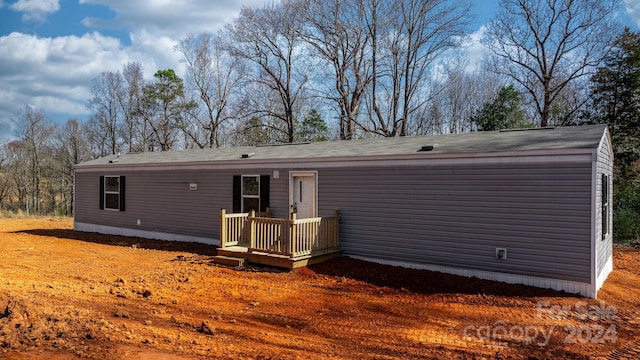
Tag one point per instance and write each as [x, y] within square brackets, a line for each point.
[626, 211]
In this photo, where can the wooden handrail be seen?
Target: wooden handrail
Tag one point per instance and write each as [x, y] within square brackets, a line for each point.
[293, 237]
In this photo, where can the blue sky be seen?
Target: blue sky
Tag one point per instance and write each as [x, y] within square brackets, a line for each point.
[51, 50]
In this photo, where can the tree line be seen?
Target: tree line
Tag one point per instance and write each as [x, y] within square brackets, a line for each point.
[299, 71]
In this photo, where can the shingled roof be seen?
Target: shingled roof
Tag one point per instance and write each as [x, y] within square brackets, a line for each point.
[576, 137]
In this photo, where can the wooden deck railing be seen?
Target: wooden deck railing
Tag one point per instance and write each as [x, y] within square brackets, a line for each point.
[293, 238]
[233, 228]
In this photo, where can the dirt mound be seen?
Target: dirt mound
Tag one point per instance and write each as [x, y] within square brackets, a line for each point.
[29, 323]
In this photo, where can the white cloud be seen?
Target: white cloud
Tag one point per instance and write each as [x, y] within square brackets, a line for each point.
[633, 9]
[155, 52]
[474, 50]
[172, 18]
[35, 10]
[54, 74]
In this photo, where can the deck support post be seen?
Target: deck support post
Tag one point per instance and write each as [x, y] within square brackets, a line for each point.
[293, 235]
[252, 230]
[223, 228]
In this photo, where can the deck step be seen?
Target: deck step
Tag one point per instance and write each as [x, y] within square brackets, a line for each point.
[228, 260]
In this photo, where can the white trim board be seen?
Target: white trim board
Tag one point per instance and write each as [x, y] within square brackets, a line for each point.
[147, 234]
[583, 289]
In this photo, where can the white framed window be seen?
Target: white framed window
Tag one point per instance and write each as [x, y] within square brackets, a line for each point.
[250, 193]
[112, 193]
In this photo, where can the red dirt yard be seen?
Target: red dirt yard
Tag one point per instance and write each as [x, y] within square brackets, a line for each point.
[66, 294]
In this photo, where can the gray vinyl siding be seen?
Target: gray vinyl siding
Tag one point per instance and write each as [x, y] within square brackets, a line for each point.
[279, 195]
[457, 215]
[604, 166]
[163, 202]
[531, 192]
[439, 215]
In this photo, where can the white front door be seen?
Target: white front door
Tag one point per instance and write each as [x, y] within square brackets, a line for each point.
[303, 194]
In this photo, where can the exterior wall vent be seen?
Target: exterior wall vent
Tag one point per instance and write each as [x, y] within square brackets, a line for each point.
[248, 155]
[426, 148]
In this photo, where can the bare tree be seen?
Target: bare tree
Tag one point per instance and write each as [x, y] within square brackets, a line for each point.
[335, 29]
[376, 21]
[213, 76]
[135, 134]
[423, 31]
[71, 147]
[544, 46]
[6, 184]
[17, 166]
[407, 38]
[463, 94]
[34, 131]
[108, 93]
[264, 126]
[269, 37]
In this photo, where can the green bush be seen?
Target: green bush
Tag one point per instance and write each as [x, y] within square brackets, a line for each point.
[626, 212]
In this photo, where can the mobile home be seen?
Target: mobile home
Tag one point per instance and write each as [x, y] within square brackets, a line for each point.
[519, 206]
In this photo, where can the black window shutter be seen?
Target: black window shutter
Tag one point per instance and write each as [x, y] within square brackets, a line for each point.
[122, 187]
[264, 192]
[101, 192]
[237, 193]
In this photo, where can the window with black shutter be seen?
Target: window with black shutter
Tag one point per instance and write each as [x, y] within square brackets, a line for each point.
[112, 190]
[250, 192]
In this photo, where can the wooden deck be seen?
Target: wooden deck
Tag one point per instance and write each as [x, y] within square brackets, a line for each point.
[286, 243]
[269, 259]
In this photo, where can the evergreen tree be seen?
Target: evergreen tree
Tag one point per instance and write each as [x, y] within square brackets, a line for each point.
[615, 100]
[503, 113]
[615, 97]
[255, 133]
[165, 106]
[313, 128]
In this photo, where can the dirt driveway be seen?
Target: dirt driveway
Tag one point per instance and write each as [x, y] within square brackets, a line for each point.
[65, 295]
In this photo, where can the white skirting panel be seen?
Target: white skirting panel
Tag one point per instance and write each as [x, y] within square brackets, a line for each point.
[604, 273]
[583, 289]
[112, 230]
